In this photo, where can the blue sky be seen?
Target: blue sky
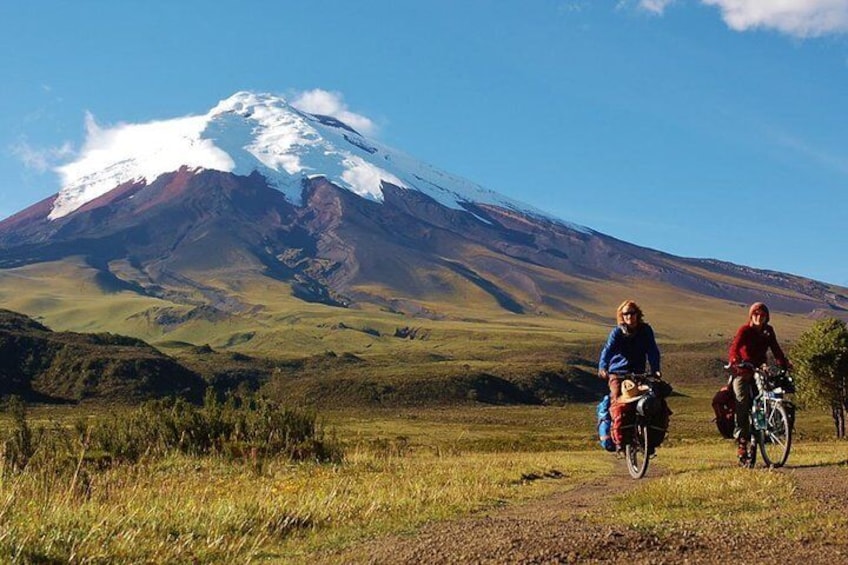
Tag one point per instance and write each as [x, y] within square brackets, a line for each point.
[703, 128]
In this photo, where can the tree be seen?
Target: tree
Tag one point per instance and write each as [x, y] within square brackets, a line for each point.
[821, 367]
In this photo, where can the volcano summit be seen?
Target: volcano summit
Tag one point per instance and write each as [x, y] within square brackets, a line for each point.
[263, 133]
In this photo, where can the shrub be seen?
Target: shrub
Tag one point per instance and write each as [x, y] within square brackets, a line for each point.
[821, 359]
[237, 428]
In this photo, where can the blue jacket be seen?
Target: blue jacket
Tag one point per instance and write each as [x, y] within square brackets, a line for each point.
[627, 353]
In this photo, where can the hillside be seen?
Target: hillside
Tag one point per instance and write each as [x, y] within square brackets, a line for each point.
[264, 231]
[40, 364]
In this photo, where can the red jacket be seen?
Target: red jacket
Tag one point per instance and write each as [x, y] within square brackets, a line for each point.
[752, 345]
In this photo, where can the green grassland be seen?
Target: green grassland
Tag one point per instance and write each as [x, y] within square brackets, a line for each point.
[432, 414]
[402, 468]
[464, 351]
[264, 319]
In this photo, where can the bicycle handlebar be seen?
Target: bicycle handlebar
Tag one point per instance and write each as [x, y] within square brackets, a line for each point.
[636, 376]
[762, 369]
[740, 365]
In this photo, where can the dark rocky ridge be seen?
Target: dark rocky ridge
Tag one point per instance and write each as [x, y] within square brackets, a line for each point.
[39, 364]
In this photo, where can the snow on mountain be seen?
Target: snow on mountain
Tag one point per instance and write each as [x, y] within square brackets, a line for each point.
[258, 132]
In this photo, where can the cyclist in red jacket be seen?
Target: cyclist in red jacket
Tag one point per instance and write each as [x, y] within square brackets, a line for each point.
[751, 344]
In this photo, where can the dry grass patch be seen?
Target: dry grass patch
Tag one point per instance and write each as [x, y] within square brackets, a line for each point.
[183, 509]
[704, 492]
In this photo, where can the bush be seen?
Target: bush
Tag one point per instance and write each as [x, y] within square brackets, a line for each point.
[821, 359]
[248, 429]
[236, 427]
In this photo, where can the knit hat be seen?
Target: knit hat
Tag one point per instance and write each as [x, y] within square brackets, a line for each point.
[758, 307]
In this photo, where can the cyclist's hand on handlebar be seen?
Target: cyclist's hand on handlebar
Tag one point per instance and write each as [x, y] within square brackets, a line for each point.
[657, 374]
[739, 368]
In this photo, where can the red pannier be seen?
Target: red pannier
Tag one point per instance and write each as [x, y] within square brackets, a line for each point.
[724, 406]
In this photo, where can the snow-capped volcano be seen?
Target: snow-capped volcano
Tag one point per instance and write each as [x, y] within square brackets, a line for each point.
[258, 132]
[196, 211]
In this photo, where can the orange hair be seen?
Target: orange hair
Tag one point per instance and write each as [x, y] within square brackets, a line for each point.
[627, 305]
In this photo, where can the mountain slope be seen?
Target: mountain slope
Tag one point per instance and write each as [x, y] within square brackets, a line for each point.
[256, 194]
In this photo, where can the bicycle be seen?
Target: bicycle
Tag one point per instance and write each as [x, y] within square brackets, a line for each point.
[650, 422]
[772, 416]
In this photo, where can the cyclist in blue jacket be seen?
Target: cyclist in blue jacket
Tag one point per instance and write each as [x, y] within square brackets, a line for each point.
[630, 346]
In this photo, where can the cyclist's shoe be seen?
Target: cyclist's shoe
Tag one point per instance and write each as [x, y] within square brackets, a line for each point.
[742, 453]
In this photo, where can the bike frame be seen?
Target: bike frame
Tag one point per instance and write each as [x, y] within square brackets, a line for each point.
[768, 419]
[638, 451]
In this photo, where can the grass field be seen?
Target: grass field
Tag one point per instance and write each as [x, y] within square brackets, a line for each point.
[264, 319]
[403, 465]
[402, 468]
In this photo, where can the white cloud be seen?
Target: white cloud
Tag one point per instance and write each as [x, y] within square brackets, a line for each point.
[572, 6]
[41, 160]
[799, 18]
[654, 6]
[326, 103]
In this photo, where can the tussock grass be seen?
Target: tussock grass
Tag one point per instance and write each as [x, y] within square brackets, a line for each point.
[702, 491]
[719, 498]
[402, 467]
[470, 429]
[181, 508]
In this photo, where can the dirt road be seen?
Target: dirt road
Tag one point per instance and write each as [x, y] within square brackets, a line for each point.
[557, 530]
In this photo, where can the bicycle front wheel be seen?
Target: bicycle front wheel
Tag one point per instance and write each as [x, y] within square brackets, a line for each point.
[636, 452]
[776, 440]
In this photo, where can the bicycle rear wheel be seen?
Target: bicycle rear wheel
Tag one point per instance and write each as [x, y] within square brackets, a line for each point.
[636, 452]
[776, 440]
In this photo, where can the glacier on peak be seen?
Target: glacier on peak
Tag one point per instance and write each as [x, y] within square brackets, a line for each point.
[250, 132]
